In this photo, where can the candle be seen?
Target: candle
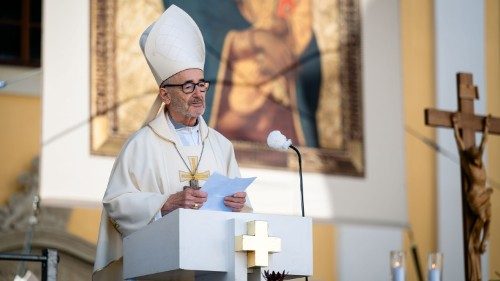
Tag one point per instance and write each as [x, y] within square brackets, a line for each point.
[434, 267]
[397, 265]
[434, 274]
[398, 273]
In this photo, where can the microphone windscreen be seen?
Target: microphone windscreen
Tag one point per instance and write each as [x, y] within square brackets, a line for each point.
[277, 140]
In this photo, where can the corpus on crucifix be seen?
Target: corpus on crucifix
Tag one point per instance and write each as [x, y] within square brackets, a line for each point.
[478, 194]
[476, 206]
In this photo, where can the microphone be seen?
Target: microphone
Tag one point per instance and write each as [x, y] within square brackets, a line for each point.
[278, 141]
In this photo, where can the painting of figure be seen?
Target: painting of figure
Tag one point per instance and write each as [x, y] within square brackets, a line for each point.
[288, 65]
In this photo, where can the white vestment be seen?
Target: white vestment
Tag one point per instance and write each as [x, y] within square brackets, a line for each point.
[148, 170]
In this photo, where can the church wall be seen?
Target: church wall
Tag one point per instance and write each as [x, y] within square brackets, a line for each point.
[84, 223]
[417, 24]
[324, 247]
[20, 120]
[492, 26]
[363, 242]
[362, 251]
[66, 109]
[20, 139]
[466, 40]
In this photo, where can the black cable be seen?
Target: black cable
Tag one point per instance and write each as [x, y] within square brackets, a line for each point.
[414, 253]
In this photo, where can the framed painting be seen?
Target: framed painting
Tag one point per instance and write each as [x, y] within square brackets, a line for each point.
[288, 65]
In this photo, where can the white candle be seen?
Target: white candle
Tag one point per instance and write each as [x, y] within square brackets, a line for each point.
[434, 274]
[398, 274]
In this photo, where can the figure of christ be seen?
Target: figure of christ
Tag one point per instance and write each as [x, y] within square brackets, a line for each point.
[478, 195]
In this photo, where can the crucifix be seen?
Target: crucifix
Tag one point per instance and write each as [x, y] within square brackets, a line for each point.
[476, 206]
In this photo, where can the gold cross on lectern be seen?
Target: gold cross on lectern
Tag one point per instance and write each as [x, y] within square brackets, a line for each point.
[193, 176]
[257, 244]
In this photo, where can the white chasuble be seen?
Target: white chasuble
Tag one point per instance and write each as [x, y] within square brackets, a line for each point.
[148, 170]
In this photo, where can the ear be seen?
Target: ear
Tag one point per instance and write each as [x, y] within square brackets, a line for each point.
[165, 96]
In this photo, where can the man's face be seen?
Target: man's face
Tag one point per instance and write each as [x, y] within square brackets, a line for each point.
[181, 106]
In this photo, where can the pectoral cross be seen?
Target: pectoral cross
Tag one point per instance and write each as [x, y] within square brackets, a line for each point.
[469, 125]
[193, 176]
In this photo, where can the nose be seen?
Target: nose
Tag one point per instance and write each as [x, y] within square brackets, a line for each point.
[197, 91]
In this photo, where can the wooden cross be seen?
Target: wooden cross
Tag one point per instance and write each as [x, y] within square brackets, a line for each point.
[193, 176]
[258, 244]
[469, 125]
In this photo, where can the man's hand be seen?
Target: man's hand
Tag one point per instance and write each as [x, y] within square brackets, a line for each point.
[188, 198]
[236, 202]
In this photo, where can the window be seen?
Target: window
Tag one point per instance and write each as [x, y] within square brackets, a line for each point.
[21, 29]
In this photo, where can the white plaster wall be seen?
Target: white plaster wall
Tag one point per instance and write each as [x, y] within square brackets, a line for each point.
[69, 175]
[363, 252]
[459, 48]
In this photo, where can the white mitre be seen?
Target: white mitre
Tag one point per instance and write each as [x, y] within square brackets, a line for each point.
[170, 45]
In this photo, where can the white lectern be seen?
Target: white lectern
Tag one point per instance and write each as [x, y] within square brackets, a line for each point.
[200, 245]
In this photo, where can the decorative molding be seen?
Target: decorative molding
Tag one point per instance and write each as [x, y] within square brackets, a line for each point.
[48, 238]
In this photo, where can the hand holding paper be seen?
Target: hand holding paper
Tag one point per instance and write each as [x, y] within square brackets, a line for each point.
[236, 202]
[218, 186]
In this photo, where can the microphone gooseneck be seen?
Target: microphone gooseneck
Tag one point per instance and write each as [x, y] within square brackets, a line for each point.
[301, 181]
[301, 185]
[278, 141]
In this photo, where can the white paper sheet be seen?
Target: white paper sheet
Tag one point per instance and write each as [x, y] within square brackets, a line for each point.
[218, 186]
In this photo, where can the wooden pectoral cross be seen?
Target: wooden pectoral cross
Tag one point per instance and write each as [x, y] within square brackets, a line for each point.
[476, 206]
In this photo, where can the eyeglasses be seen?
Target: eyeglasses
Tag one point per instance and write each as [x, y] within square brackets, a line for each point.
[189, 87]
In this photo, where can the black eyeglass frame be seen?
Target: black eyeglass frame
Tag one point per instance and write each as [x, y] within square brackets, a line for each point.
[201, 84]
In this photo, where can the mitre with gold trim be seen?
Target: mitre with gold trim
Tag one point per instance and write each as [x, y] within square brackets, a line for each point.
[171, 44]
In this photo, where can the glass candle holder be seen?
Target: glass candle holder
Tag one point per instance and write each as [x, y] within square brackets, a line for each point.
[435, 267]
[397, 259]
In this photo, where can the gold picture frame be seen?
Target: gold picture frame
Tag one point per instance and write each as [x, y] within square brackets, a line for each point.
[323, 35]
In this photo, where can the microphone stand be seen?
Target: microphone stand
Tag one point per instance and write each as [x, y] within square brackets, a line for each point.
[301, 181]
[301, 184]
